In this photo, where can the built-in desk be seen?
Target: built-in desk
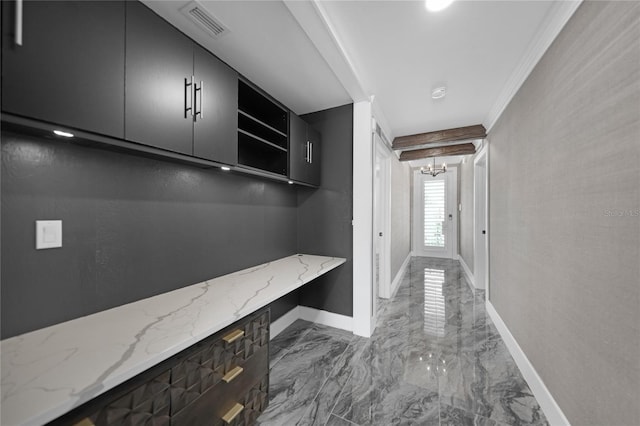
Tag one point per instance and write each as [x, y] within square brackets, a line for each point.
[49, 372]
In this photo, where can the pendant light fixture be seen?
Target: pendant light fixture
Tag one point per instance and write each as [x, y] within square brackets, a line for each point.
[433, 170]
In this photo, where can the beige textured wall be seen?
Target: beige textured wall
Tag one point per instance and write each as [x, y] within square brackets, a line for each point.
[565, 216]
[466, 215]
[400, 214]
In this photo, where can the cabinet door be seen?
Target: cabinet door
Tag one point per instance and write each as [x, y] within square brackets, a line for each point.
[215, 132]
[313, 175]
[298, 149]
[159, 59]
[69, 69]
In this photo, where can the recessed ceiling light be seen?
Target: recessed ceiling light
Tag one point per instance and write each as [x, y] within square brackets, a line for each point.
[225, 168]
[64, 134]
[437, 5]
[290, 182]
[439, 92]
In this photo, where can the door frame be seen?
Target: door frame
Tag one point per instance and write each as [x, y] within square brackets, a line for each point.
[452, 208]
[481, 218]
[382, 188]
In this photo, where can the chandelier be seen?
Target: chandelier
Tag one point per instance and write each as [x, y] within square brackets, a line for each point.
[433, 170]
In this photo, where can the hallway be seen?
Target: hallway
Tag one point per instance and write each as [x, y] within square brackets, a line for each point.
[434, 359]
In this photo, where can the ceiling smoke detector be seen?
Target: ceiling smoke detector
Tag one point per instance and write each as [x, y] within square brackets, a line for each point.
[204, 20]
[438, 92]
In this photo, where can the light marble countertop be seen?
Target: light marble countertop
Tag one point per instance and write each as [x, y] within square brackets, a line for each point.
[48, 372]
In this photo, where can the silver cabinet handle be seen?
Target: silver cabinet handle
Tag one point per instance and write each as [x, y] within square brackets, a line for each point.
[308, 156]
[188, 94]
[18, 22]
[199, 101]
[192, 106]
[311, 152]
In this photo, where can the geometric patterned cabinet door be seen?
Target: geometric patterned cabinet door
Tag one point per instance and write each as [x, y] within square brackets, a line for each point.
[221, 380]
[255, 402]
[146, 405]
[216, 358]
[225, 381]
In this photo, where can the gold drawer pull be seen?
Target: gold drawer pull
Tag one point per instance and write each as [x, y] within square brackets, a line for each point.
[233, 413]
[232, 374]
[233, 336]
[85, 422]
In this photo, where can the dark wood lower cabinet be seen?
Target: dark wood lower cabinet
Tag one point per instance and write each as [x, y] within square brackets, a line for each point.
[222, 380]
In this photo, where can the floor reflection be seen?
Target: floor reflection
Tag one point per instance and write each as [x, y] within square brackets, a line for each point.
[434, 307]
[435, 358]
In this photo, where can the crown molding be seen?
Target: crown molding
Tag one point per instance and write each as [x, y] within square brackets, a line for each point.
[557, 18]
[314, 21]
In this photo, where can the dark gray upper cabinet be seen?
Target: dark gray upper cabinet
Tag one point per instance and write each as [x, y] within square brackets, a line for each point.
[158, 82]
[116, 68]
[304, 151]
[314, 151]
[298, 149]
[179, 97]
[70, 67]
[216, 105]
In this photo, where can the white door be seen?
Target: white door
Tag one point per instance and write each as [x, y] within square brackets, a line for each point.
[480, 236]
[381, 218]
[377, 243]
[435, 214]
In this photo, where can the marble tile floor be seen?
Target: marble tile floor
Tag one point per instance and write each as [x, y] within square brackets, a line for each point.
[435, 359]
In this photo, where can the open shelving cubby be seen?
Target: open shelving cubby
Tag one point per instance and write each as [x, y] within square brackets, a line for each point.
[263, 141]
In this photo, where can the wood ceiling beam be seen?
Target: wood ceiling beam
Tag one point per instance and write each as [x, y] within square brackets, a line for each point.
[441, 151]
[450, 135]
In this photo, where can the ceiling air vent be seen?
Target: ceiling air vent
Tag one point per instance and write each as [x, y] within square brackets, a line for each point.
[203, 19]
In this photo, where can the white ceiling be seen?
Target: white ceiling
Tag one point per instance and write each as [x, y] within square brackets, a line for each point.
[395, 50]
[402, 52]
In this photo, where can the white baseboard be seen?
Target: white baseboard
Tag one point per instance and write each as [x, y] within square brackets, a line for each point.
[312, 315]
[549, 406]
[398, 279]
[283, 322]
[467, 272]
[326, 318]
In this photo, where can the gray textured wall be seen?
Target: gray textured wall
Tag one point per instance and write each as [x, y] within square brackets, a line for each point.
[400, 214]
[132, 227]
[324, 214]
[565, 216]
[466, 215]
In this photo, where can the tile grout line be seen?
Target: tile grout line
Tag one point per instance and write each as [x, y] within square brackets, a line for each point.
[331, 413]
[329, 376]
[348, 421]
[286, 351]
[356, 354]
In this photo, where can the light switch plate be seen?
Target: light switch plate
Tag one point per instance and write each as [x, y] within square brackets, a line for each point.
[48, 234]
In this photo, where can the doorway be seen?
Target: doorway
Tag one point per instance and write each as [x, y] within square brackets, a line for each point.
[435, 216]
[480, 224]
[381, 222]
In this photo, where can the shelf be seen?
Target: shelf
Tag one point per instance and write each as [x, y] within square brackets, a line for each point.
[271, 144]
[261, 108]
[262, 132]
[262, 155]
[258, 121]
